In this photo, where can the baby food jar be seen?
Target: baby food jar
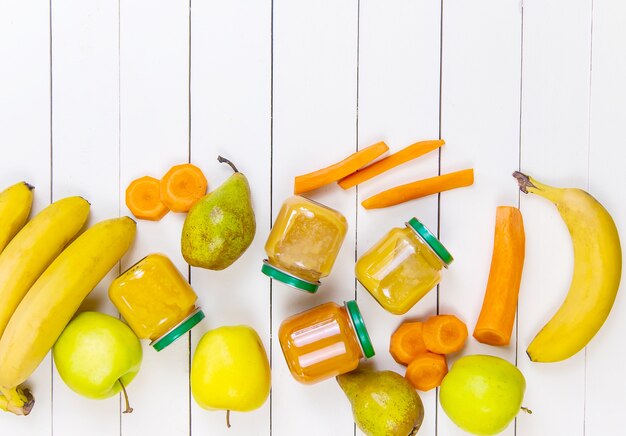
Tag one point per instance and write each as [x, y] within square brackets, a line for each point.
[304, 243]
[156, 301]
[325, 341]
[403, 266]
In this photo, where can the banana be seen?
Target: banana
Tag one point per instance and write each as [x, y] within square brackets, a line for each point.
[31, 251]
[52, 301]
[596, 277]
[15, 204]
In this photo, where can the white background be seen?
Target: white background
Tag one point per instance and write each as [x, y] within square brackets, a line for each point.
[95, 93]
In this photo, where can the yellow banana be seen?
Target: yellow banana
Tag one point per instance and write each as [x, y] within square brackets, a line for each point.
[596, 277]
[31, 251]
[15, 204]
[52, 301]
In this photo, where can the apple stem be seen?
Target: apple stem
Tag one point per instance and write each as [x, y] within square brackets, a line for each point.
[128, 408]
[527, 410]
[221, 159]
[228, 418]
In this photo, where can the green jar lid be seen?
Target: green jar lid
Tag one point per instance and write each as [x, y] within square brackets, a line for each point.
[359, 327]
[431, 240]
[183, 327]
[276, 273]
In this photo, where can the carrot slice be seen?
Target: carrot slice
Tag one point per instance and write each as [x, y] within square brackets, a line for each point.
[411, 152]
[406, 342]
[444, 334]
[420, 188]
[182, 186]
[319, 178]
[497, 316]
[427, 371]
[144, 200]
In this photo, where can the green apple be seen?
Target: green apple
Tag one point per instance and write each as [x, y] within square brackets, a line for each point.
[230, 370]
[97, 355]
[482, 394]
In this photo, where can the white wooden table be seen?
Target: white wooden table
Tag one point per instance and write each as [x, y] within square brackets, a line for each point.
[94, 93]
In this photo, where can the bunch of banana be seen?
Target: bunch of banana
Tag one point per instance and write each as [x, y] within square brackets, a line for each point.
[15, 204]
[596, 277]
[52, 301]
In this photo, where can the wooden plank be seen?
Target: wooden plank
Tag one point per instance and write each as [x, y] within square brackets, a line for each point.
[154, 72]
[314, 114]
[398, 103]
[231, 109]
[605, 399]
[554, 149]
[480, 123]
[25, 147]
[85, 127]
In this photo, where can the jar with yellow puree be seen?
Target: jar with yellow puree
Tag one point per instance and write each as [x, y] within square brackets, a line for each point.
[325, 341]
[304, 243]
[156, 301]
[403, 266]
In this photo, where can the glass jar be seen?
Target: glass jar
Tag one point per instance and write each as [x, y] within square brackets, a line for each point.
[156, 301]
[304, 243]
[325, 341]
[403, 266]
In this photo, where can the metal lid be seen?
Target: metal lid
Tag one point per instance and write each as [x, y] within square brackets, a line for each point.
[180, 329]
[360, 329]
[289, 279]
[431, 240]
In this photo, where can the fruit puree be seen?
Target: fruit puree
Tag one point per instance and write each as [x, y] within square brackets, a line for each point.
[402, 267]
[324, 342]
[304, 243]
[154, 299]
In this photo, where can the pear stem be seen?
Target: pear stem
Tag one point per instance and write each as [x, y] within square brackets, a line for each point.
[523, 181]
[128, 408]
[228, 418]
[221, 159]
[527, 410]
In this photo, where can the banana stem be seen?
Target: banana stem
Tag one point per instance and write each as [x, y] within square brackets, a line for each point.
[128, 408]
[221, 159]
[17, 401]
[523, 181]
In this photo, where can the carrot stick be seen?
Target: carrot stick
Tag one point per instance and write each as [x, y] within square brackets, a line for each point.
[420, 188]
[444, 334]
[144, 200]
[427, 371]
[182, 186]
[319, 178]
[495, 322]
[411, 152]
[406, 342]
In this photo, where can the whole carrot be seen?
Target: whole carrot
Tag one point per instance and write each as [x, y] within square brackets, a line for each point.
[495, 322]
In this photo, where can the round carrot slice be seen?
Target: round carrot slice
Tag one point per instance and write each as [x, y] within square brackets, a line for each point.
[182, 186]
[444, 334]
[407, 342]
[144, 200]
[427, 371]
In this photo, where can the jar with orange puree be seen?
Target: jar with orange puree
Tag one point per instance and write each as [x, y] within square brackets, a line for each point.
[325, 341]
[403, 266]
[156, 301]
[304, 243]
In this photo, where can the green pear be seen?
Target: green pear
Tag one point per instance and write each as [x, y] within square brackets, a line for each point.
[220, 226]
[383, 402]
